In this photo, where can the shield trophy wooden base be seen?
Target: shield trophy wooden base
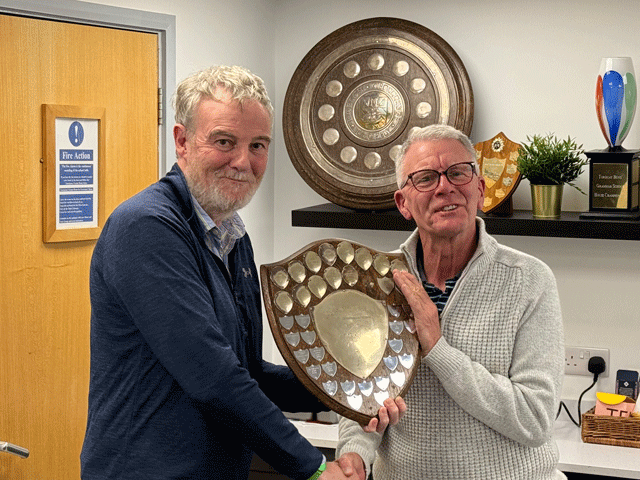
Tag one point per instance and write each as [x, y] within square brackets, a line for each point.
[341, 324]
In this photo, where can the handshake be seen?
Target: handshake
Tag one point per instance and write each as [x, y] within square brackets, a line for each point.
[350, 466]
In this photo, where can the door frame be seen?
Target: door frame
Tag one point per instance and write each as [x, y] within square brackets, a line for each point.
[163, 25]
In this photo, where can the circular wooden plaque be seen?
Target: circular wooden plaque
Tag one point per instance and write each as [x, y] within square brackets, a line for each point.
[355, 97]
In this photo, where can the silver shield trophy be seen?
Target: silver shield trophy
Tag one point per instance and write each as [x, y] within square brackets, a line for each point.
[341, 324]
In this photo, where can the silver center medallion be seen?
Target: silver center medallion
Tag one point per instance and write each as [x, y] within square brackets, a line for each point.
[374, 111]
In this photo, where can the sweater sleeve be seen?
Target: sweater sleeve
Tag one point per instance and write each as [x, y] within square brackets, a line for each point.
[280, 385]
[150, 267]
[522, 403]
[352, 438]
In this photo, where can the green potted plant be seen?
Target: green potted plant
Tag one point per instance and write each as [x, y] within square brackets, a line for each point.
[549, 163]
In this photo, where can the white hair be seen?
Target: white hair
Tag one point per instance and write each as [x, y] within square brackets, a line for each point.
[432, 133]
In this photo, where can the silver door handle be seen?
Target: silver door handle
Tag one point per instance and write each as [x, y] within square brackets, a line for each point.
[14, 449]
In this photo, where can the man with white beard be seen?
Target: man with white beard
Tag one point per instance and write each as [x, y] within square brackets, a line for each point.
[178, 385]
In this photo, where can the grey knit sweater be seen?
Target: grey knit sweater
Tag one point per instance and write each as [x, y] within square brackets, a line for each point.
[483, 403]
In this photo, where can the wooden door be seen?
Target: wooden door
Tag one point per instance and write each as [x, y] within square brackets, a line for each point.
[44, 299]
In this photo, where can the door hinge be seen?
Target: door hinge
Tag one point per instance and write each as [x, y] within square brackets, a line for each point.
[160, 107]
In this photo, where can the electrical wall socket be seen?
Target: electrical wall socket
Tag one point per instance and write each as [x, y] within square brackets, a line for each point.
[576, 360]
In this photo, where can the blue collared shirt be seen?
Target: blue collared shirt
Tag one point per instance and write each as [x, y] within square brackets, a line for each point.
[220, 239]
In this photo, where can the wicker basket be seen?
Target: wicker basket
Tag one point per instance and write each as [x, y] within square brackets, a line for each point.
[618, 431]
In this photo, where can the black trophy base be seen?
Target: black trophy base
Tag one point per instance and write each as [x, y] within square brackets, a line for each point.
[613, 184]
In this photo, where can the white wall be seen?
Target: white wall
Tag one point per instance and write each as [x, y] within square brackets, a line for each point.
[533, 67]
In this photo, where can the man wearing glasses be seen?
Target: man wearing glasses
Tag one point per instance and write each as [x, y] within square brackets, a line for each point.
[483, 403]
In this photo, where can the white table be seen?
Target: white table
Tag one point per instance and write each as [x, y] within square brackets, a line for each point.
[575, 455]
[595, 459]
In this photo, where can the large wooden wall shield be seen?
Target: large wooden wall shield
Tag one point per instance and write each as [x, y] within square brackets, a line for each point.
[355, 97]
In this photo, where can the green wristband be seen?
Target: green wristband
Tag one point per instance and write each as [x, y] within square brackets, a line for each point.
[322, 468]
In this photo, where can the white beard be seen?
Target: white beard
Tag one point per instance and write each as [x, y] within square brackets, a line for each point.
[213, 199]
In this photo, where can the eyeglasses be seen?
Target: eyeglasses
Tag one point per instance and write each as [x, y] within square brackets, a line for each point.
[458, 174]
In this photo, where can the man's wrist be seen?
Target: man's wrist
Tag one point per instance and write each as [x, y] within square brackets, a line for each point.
[321, 469]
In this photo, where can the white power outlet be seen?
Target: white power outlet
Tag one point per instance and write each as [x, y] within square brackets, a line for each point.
[576, 360]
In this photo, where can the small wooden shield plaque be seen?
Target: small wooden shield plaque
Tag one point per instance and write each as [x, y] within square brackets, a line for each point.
[341, 324]
[498, 162]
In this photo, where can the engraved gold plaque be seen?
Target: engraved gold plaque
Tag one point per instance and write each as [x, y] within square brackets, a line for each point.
[341, 325]
[355, 97]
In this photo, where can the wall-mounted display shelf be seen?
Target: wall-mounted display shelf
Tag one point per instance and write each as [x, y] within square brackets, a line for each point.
[569, 225]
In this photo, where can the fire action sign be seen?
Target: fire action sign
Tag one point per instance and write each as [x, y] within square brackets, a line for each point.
[76, 173]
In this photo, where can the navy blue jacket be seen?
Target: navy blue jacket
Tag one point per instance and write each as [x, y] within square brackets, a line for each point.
[178, 388]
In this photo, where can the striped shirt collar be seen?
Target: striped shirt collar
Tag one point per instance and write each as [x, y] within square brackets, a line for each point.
[438, 297]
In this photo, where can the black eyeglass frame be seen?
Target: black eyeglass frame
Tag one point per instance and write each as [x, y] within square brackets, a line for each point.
[445, 173]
